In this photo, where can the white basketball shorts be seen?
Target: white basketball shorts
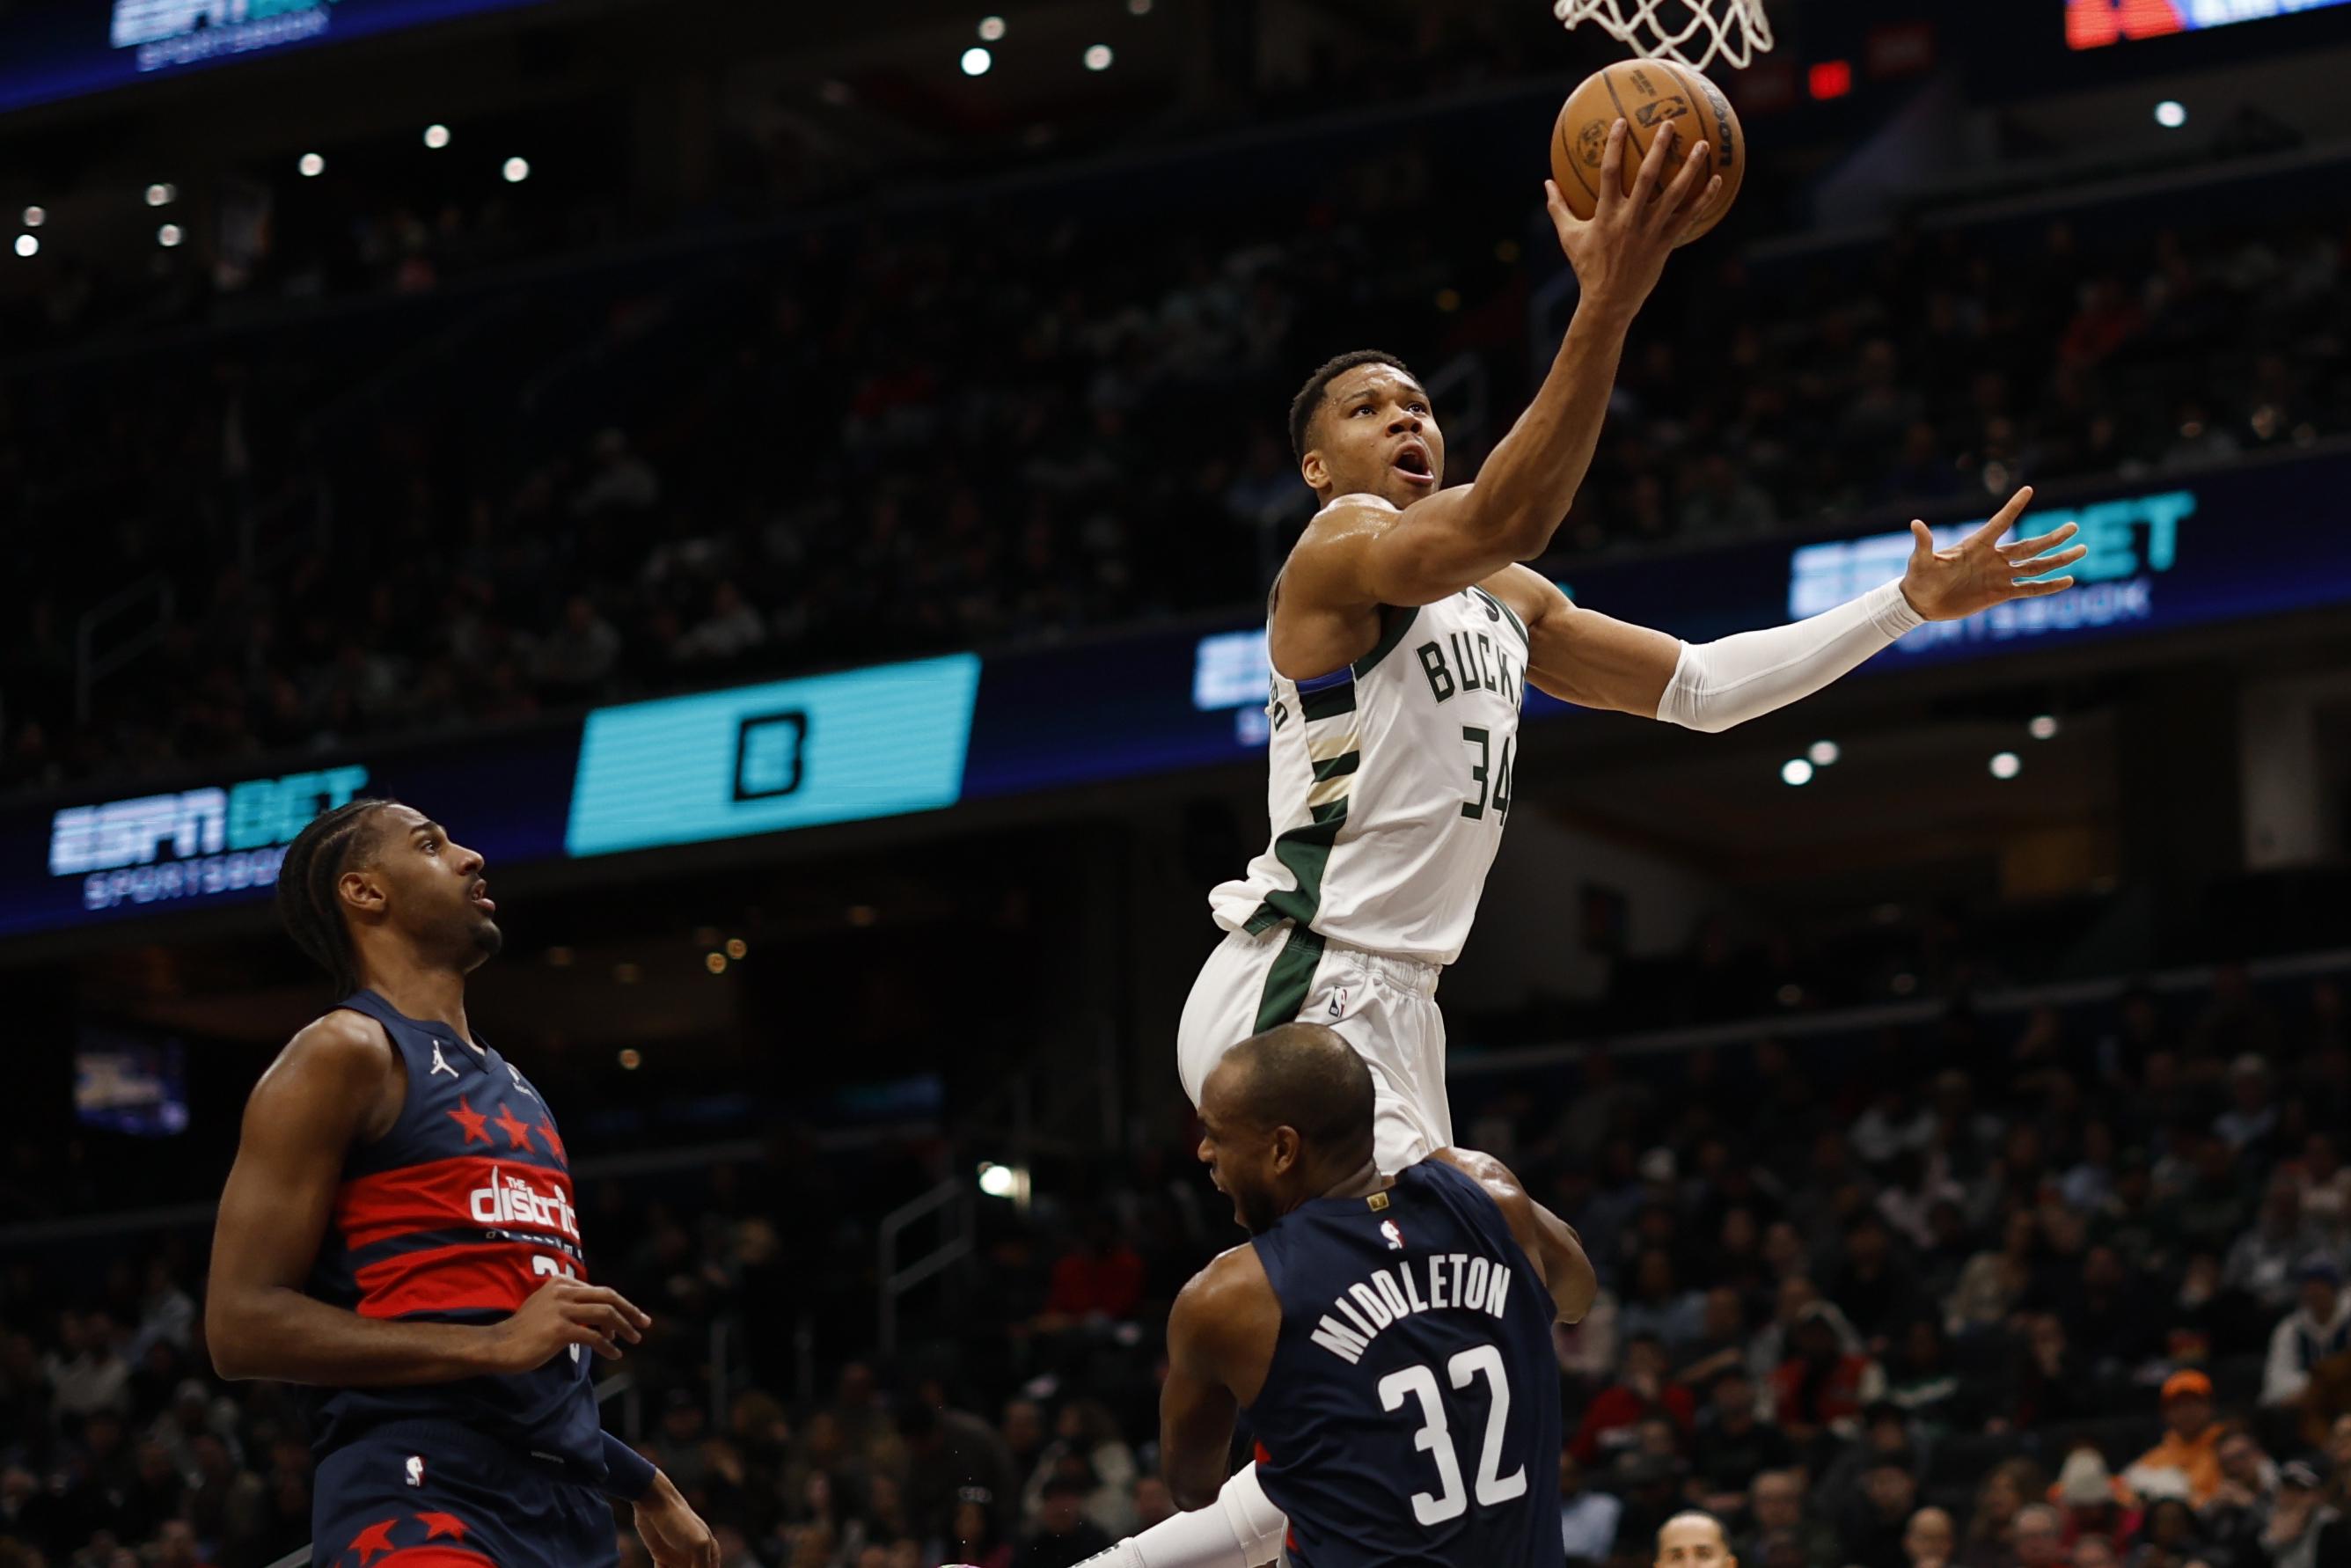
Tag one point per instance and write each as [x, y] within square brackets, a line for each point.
[1386, 1008]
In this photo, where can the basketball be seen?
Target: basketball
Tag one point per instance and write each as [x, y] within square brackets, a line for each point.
[1647, 95]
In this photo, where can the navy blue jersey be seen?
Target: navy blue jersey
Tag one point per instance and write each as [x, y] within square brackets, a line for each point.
[456, 1215]
[1411, 1414]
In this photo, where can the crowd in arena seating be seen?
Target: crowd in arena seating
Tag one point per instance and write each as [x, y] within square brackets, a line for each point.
[971, 426]
[2070, 1294]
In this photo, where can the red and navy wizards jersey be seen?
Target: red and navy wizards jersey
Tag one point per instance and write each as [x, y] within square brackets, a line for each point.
[456, 1215]
[1411, 1413]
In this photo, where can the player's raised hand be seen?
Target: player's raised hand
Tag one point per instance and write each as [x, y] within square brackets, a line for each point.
[1980, 571]
[1619, 253]
[564, 1313]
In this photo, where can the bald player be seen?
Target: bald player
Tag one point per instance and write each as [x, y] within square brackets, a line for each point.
[1389, 1336]
[1694, 1540]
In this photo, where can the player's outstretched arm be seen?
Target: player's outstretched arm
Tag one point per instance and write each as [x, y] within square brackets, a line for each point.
[1550, 1243]
[318, 1098]
[1365, 553]
[1580, 656]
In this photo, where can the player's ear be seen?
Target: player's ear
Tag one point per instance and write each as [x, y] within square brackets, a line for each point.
[1287, 1149]
[360, 890]
[1314, 471]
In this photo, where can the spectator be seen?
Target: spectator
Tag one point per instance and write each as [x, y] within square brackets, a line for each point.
[1779, 1509]
[950, 1457]
[1086, 1445]
[2317, 1329]
[2169, 1536]
[1872, 1288]
[2191, 1440]
[1927, 1542]
[2301, 1517]
[1587, 1519]
[1991, 1528]
[1822, 1386]
[1993, 1284]
[1650, 1492]
[2232, 1522]
[88, 1373]
[1658, 1309]
[580, 653]
[972, 1535]
[1732, 1445]
[2040, 1536]
[1609, 1421]
[2262, 1261]
[2094, 1503]
[1100, 1279]
[1064, 1535]
[1875, 1531]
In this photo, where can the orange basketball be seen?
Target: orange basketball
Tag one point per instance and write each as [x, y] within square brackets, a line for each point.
[1647, 95]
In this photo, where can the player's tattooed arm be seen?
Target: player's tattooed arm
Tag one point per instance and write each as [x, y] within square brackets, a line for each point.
[1550, 1243]
[1220, 1340]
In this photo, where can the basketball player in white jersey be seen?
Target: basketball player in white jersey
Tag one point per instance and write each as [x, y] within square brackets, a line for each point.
[1402, 632]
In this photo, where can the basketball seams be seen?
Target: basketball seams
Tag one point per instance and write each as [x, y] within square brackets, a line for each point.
[1632, 128]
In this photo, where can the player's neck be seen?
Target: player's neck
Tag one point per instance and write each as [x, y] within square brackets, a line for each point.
[1360, 1182]
[420, 990]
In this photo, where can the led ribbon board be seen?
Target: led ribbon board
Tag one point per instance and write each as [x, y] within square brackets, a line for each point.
[758, 760]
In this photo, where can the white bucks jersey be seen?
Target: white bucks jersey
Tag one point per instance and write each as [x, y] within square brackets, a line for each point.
[1391, 783]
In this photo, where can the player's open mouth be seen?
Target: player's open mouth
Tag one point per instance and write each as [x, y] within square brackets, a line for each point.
[1412, 461]
[480, 897]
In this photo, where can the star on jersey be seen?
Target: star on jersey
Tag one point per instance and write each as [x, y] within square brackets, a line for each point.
[437, 1525]
[518, 1132]
[465, 1117]
[374, 1541]
[439, 1065]
[554, 1144]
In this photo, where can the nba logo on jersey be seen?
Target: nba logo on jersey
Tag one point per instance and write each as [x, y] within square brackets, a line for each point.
[416, 1469]
[1396, 1238]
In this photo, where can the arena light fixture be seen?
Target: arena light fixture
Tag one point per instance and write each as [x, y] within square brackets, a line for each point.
[714, 961]
[976, 61]
[516, 170]
[436, 137]
[162, 193]
[1098, 58]
[311, 165]
[2171, 114]
[2043, 726]
[170, 235]
[36, 217]
[29, 245]
[630, 1059]
[1004, 1181]
[991, 30]
[1824, 753]
[1138, 7]
[737, 947]
[1795, 771]
[2006, 765]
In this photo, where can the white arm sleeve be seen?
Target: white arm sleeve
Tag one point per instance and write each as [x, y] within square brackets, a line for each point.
[1243, 1530]
[1717, 684]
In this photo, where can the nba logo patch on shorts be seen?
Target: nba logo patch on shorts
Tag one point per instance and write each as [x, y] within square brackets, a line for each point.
[416, 1469]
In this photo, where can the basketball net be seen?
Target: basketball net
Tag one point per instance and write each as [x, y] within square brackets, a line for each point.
[1692, 31]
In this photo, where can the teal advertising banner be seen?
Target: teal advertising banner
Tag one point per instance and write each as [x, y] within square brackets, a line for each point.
[790, 754]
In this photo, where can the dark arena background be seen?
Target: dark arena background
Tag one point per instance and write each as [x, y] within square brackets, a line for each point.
[796, 486]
